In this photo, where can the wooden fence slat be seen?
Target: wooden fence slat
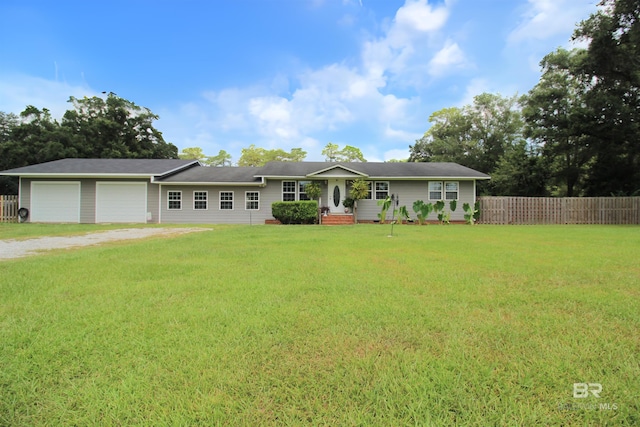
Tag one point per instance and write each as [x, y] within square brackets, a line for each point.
[556, 210]
[8, 208]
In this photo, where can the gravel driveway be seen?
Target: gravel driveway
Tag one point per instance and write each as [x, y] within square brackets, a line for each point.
[21, 248]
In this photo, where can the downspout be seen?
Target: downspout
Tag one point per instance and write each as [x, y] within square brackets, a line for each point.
[159, 203]
[20, 195]
[474, 191]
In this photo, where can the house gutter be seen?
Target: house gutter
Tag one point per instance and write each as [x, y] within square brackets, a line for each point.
[215, 184]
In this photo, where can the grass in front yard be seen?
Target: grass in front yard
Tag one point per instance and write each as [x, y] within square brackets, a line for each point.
[289, 325]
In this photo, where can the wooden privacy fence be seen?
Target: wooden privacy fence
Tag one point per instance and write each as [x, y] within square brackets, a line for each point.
[559, 210]
[8, 208]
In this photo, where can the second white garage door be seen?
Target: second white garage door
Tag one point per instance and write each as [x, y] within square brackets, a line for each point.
[121, 202]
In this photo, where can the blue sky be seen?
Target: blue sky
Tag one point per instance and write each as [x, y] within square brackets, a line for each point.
[224, 74]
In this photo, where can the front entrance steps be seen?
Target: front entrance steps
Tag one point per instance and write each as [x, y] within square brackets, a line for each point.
[337, 219]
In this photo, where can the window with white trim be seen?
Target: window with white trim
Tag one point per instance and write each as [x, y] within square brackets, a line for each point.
[252, 200]
[302, 190]
[174, 200]
[226, 200]
[200, 200]
[451, 190]
[435, 190]
[382, 190]
[288, 191]
[369, 193]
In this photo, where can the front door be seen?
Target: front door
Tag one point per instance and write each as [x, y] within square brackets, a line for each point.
[336, 195]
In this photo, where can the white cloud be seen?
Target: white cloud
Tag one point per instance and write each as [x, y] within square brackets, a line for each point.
[544, 19]
[397, 154]
[475, 87]
[406, 41]
[17, 91]
[273, 116]
[401, 135]
[448, 58]
[418, 15]
[337, 97]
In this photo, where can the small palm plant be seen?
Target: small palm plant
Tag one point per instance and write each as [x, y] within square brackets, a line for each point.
[314, 191]
[471, 214]
[438, 208]
[359, 190]
[385, 204]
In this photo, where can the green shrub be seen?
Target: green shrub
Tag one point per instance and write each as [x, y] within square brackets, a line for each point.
[348, 203]
[302, 212]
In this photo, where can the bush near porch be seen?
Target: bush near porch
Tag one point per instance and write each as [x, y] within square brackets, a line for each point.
[301, 212]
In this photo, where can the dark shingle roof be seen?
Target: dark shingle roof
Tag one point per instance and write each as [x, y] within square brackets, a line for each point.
[374, 169]
[145, 167]
[214, 174]
[183, 171]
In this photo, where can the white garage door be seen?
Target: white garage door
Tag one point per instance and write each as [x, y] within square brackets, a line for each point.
[55, 201]
[121, 202]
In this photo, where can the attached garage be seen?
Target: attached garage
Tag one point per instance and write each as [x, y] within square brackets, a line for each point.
[55, 201]
[121, 202]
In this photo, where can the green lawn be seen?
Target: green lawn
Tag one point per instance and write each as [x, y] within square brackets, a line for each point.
[310, 325]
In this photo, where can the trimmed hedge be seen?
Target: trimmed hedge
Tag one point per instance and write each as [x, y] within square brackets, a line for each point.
[302, 212]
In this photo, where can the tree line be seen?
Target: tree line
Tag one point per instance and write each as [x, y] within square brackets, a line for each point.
[575, 133]
[93, 128]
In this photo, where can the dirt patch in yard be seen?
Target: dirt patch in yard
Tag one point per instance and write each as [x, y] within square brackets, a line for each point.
[21, 248]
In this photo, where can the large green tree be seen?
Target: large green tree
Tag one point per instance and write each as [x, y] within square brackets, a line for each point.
[36, 138]
[115, 128]
[258, 156]
[497, 126]
[612, 69]
[221, 159]
[477, 135]
[555, 114]
[447, 140]
[8, 121]
[192, 153]
[333, 153]
[93, 128]
[522, 171]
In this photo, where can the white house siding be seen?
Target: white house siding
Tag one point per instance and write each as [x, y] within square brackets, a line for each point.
[411, 191]
[87, 201]
[25, 193]
[153, 200]
[213, 214]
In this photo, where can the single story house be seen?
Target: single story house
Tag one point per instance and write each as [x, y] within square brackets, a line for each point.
[185, 191]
